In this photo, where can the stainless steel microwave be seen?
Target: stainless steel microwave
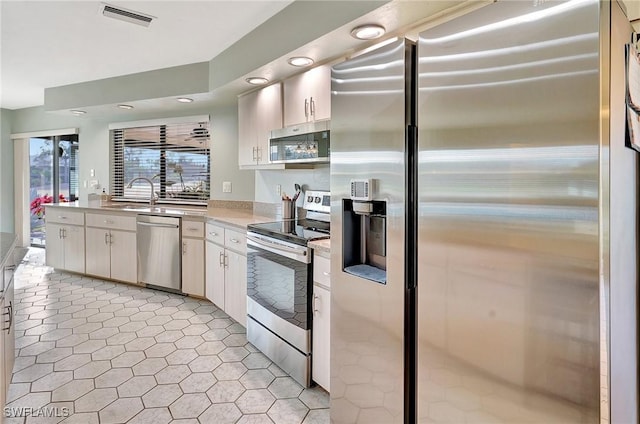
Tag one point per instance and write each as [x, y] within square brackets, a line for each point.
[302, 143]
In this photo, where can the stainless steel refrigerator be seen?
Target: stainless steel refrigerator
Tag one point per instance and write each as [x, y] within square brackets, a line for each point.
[465, 213]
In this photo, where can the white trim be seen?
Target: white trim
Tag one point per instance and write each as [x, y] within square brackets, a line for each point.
[44, 133]
[154, 122]
[21, 192]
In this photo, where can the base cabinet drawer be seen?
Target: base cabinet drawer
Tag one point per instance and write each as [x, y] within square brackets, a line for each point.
[115, 222]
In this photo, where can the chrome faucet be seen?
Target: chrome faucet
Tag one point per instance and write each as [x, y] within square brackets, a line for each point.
[152, 199]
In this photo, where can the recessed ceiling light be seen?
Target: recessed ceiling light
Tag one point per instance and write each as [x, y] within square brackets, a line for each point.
[127, 107]
[300, 61]
[368, 32]
[78, 112]
[257, 80]
[184, 100]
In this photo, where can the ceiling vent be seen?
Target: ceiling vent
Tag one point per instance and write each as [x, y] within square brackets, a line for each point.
[126, 15]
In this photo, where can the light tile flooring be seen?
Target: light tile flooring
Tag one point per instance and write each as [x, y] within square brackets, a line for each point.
[115, 353]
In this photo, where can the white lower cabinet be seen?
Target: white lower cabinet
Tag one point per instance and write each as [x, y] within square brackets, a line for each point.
[111, 248]
[193, 257]
[65, 239]
[226, 271]
[7, 336]
[193, 266]
[235, 287]
[65, 247]
[321, 333]
[214, 274]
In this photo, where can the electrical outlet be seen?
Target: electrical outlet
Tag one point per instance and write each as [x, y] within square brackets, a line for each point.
[94, 184]
[278, 189]
[93, 172]
[226, 186]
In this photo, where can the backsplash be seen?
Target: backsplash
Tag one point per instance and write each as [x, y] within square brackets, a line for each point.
[309, 179]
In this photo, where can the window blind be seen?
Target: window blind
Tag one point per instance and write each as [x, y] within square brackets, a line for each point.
[174, 157]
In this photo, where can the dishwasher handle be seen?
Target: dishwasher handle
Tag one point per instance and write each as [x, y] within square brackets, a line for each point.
[151, 224]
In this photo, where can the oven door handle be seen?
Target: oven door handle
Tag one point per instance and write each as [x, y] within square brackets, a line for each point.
[300, 255]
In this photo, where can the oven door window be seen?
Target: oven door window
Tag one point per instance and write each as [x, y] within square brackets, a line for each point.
[279, 284]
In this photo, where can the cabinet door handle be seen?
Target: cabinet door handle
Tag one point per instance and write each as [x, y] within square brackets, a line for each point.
[106, 238]
[60, 233]
[221, 259]
[254, 153]
[184, 248]
[9, 313]
[306, 108]
[226, 261]
[313, 303]
[312, 108]
[259, 154]
[110, 238]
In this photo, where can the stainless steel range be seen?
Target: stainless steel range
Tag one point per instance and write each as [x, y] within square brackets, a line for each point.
[280, 286]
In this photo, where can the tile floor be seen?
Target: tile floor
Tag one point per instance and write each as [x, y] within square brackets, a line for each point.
[115, 353]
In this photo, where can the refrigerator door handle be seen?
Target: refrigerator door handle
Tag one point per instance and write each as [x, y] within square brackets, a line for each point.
[412, 207]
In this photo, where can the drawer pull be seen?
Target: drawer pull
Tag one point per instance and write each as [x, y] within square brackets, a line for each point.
[233, 240]
[213, 233]
[192, 229]
[62, 217]
[108, 221]
[326, 274]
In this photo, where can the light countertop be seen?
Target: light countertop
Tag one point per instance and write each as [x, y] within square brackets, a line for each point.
[239, 218]
[7, 240]
[321, 247]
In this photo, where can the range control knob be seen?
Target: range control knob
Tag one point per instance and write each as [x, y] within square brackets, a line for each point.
[318, 199]
[310, 199]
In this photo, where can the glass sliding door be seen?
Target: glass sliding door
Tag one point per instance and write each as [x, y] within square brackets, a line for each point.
[53, 163]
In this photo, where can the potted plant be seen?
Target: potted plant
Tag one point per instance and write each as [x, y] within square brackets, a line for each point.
[37, 204]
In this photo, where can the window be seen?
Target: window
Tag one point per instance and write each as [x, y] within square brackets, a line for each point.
[173, 156]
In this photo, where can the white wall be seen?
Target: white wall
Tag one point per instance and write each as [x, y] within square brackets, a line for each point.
[623, 244]
[94, 147]
[6, 172]
[312, 179]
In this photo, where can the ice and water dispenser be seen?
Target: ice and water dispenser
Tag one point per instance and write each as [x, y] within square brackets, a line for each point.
[364, 233]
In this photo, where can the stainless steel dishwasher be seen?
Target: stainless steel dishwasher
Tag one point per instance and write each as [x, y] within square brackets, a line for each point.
[158, 245]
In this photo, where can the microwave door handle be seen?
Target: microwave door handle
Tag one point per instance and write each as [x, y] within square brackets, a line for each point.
[299, 255]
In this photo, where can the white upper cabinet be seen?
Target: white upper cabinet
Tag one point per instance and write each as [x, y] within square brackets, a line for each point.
[307, 97]
[258, 113]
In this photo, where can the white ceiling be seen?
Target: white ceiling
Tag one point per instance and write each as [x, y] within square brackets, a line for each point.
[54, 43]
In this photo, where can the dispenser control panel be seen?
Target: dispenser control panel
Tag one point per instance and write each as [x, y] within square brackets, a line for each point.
[362, 190]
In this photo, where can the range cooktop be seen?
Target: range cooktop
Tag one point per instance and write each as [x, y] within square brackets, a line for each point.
[298, 231]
